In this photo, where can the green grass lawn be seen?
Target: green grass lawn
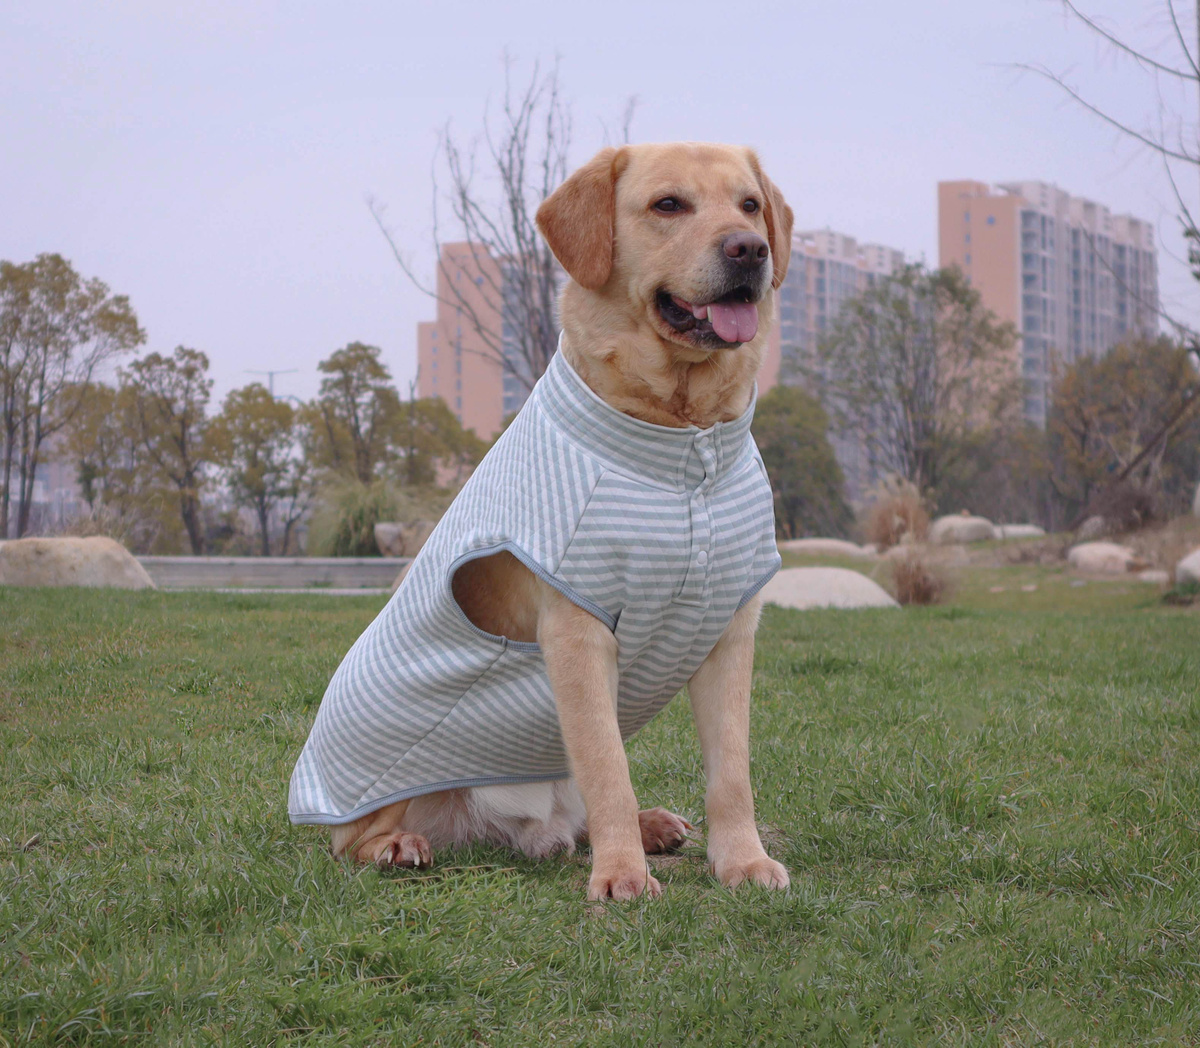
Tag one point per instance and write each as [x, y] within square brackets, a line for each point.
[991, 815]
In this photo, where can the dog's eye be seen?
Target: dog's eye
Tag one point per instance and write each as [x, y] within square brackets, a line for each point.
[667, 205]
[750, 205]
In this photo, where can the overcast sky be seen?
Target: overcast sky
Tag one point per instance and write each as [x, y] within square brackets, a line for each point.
[211, 160]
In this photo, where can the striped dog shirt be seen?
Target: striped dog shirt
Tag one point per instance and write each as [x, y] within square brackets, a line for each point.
[660, 533]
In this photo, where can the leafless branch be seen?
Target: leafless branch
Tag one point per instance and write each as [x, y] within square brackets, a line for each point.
[511, 306]
[1146, 140]
[1187, 51]
[1138, 56]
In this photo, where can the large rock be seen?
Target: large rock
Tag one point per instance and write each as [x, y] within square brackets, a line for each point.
[955, 530]
[805, 588]
[402, 538]
[826, 548]
[1188, 569]
[1103, 558]
[1019, 531]
[94, 561]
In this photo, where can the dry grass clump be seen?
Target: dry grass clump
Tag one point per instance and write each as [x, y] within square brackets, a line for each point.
[896, 510]
[1167, 545]
[917, 580]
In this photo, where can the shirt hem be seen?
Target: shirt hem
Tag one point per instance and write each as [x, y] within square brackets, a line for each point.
[328, 819]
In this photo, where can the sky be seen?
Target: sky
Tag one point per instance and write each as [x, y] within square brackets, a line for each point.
[212, 161]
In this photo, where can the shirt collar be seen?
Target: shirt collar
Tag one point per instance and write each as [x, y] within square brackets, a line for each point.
[678, 458]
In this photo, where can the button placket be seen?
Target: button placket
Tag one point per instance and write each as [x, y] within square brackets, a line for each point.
[696, 581]
[701, 518]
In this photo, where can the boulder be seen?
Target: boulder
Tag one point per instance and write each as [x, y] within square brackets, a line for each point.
[826, 548]
[1019, 531]
[961, 528]
[1103, 558]
[1188, 569]
[93, 561]
[805, 588]
[402, 538]
[1154, 576]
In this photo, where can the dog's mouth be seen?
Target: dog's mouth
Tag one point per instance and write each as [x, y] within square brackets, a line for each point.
[727, 321]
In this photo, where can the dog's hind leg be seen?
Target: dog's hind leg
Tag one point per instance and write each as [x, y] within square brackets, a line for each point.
[380, 838]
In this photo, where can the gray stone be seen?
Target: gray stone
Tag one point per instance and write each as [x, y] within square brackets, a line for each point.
[960, 528]
[402, 538]
[806, 588]
[826, 548]
[1188, 569]
[1019, 531]
[1102, 558]
[93, 561]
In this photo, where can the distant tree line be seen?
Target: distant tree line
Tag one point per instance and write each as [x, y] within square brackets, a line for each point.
[159, 469]
[928, 381]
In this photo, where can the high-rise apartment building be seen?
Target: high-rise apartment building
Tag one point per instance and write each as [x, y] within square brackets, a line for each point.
[826, 270]
[1072, 277]
[482, 379]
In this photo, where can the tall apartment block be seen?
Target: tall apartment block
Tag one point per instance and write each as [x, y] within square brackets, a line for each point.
[826, 270]
[1072, 277]
[454, 361]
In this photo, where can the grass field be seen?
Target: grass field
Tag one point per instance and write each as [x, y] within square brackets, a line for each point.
[991, 813]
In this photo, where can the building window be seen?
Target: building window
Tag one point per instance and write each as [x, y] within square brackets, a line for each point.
[991, 220]
[966, 216]
[968, 238]
[968, 258]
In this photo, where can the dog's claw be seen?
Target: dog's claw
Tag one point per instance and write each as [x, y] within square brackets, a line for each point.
[662, 831]
[403, 849]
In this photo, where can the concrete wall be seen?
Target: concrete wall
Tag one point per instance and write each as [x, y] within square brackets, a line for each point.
[273, 572]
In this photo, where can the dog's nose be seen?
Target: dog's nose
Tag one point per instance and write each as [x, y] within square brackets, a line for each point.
[748, 250]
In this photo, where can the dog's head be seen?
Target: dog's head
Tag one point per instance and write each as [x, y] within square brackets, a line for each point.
[690, 237]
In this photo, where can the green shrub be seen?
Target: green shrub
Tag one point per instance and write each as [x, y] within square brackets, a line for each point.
[344, 519]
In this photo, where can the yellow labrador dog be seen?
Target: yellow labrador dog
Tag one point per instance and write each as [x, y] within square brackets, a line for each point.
[674, 252]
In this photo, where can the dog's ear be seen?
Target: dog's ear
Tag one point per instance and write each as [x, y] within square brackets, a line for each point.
[578, 219]
[778, 216]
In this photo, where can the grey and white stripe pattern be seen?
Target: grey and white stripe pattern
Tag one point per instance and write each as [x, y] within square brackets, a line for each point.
[660, 533]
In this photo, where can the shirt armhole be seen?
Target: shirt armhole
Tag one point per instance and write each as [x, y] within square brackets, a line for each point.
[758, 584]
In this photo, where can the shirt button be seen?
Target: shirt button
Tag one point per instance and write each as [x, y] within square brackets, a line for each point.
[702, 557]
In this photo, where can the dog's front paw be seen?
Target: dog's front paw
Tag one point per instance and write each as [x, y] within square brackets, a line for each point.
[760, 869]
[621, 881]
[662, 831]
[397, 849]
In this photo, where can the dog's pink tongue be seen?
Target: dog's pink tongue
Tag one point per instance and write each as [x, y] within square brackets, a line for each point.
[734, 321]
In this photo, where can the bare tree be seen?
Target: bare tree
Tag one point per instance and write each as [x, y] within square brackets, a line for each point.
[913, 368]
[171, 397]
[57, 331]
[1174, 141]
[511, 306]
